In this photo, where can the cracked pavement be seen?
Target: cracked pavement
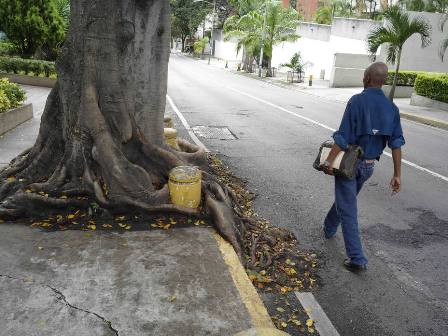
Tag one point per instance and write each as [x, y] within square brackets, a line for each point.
[106, 283]
[27, 303]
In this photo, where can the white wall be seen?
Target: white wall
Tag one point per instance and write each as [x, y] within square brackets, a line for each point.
[423, 59]
[227, 51]
[319, 43]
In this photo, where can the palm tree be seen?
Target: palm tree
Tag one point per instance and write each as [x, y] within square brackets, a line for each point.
[398, 28]
[247, 30]
[281, 24]
[444, 43]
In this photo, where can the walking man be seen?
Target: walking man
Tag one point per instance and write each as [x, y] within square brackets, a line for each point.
[372, 122]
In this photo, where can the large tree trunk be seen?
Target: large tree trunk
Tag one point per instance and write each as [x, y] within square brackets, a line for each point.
[101, 136]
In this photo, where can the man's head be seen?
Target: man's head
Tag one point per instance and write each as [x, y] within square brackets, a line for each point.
[375, 75]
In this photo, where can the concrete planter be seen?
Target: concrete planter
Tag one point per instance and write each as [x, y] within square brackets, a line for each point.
[30, 80]
[417, 100]
[400, 91]
[12, 118]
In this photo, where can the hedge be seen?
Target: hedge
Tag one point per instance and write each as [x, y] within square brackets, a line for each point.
[17, 65]
[434, 86]
[11, 95]
[405, 78]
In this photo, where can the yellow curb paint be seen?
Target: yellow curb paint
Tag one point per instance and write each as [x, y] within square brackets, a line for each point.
[424, 120]
[257, 311]
[262, 332]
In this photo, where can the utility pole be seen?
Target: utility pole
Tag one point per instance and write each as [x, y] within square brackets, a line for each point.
[211, 35]
[260, 63]
[210, 41]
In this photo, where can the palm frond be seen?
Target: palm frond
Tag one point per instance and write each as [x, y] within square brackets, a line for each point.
[423, 28]
[398, 28]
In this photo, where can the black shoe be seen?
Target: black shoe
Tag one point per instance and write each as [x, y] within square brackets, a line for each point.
[354, 267]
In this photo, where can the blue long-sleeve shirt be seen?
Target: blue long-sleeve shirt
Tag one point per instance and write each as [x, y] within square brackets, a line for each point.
[371, 121]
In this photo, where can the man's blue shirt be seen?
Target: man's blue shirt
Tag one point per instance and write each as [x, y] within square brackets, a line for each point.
[371, 121]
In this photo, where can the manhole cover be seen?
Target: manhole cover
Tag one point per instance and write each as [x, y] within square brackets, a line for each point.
[214, 132]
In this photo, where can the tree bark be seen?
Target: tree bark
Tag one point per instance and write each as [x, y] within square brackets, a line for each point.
[183, 42]
[101, 136]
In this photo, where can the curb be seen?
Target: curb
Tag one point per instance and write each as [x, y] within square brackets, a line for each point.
[424, 120]
[257, 310]
[259, 316]
[405, 115]
[14, 117]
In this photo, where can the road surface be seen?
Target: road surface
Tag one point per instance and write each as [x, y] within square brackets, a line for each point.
[278, 131]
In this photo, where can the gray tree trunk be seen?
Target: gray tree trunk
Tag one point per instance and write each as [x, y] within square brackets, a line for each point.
[101, 136]
[102, 129]
[394, 83]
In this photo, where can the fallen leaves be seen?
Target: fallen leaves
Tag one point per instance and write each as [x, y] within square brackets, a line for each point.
[91, 227]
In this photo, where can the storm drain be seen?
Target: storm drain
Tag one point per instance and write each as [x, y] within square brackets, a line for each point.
[214, 132]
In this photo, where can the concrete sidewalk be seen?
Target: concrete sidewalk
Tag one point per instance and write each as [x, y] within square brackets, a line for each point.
[184, 281]
[425, 115]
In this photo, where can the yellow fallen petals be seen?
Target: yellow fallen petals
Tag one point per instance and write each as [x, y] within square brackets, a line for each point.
[296, 322]
[10, 179]
[309, 323]
[121, 225]
[91, 227]
[63, 197]
[28, 191]
[107, 226]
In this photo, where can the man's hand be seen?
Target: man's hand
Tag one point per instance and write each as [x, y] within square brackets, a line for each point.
[395, 184]
[328, 170]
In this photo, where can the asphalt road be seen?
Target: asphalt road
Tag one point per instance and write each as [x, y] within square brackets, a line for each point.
[404, 291]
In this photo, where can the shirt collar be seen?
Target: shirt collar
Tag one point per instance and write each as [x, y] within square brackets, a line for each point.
[374, 90]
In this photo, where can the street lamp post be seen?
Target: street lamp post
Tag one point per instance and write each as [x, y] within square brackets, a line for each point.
[210, 43]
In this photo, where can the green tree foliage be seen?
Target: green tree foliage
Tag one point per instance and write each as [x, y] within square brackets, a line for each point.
[324, 15]
[29, 24]
[281, 25]
[296, 63]
[200, 45]
[399, 27]
[186, 17]
[432, 6]
[63, 9]
[243, 7]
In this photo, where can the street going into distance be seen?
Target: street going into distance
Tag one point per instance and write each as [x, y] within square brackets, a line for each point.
[275, 134]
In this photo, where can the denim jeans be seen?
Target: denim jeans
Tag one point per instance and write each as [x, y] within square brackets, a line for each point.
[345, 212]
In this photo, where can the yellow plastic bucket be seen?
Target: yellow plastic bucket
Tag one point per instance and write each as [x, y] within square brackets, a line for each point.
[168, 122]
[171, 137]
[185, 186]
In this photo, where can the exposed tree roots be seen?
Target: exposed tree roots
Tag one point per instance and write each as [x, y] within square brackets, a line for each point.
[101, 144]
